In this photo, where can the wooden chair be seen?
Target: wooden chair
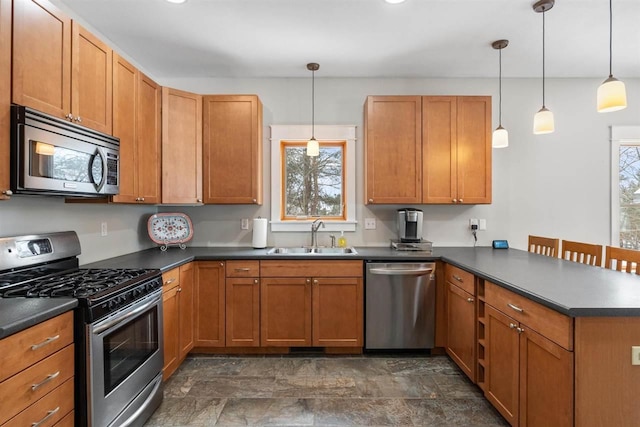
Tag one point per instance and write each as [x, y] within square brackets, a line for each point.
[544, 245]
[626, 260]
[585, 253]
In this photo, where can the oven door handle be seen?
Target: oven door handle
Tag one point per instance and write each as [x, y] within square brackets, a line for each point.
[123, 317]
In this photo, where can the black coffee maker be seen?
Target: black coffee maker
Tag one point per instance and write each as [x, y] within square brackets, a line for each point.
[409, 225]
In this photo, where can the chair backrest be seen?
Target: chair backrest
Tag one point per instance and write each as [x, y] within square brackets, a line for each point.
[585, 253]
[544, 245]
[620, 259]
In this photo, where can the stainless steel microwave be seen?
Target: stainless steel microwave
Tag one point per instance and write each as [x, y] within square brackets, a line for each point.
[50, 156]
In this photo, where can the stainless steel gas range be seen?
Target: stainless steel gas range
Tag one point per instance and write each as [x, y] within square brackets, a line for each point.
[117, 326]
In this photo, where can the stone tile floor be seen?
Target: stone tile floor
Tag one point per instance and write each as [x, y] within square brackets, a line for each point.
[418, 390]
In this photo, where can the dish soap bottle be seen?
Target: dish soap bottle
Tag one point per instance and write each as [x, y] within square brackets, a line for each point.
[342, 241]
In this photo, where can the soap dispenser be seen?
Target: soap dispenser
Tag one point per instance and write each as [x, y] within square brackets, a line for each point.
[342, 241]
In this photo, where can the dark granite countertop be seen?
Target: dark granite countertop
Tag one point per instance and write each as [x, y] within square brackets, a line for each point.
[17, 314]
[570, 288]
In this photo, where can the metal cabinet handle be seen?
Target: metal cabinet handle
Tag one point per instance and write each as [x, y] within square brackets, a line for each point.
[255, 281]
[370, 200]
[520, 330]
[46, 417]
[255, 201]
[69, 116]
[512, 325]
[243, 269]
[7, 192]
[34, 387]
[455, 200]
[179, 290]
[315, 281]
[170, 281]
[308, 281]
[458, 278]
[142, 199]
[45, 342]
[78, 119]
[460, 201]
[222, 264]
[516, 308]
[470, 299]
[199, 200]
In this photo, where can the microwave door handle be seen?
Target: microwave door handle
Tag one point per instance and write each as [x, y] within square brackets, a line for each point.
[99, 153]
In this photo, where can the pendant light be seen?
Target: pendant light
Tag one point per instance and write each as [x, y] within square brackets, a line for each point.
[612, 95]
[543, 120]
[500, 135]
[313, 148]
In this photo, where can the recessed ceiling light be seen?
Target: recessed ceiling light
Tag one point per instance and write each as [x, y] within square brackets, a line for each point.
[394, 1]
[180, 1]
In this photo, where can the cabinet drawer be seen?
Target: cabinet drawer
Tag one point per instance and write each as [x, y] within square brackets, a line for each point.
[460, 278]
[170, 279]
[24, 388]
[243, 268]
[34, 344]
[53, 406]
[313, 268]
[547, 322]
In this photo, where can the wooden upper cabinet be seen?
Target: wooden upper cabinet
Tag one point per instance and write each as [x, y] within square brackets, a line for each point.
[41, 57]
[232, 149]
[456, 138]
[393, 153]
[59, 67]
[181, 147]
[91, 80]
[5, 95]
[148, 140]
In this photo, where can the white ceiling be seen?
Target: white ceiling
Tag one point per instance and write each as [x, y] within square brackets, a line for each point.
[367, 38]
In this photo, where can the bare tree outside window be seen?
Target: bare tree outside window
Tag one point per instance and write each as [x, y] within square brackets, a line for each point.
[313, 186]
[629, 186]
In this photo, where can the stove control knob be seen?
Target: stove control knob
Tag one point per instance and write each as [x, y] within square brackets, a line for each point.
[112, 304]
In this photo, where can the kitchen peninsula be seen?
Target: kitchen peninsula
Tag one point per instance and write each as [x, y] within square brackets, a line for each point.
[601, 308]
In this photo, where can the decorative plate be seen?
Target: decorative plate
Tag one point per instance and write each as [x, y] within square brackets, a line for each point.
[167, 229]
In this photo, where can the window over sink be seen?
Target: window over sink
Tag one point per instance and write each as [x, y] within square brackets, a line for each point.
[306, 188]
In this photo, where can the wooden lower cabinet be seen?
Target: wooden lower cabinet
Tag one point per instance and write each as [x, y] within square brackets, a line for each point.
[528, 377]
[209, 322]
[171, 331]
[337, 314]
[242, 303]
[186, 309]
[285, 312]
[461, 324]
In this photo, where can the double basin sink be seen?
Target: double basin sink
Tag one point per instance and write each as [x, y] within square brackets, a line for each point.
[311, 251]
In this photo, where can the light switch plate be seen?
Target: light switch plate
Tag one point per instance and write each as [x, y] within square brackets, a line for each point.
[244, 224]
[635, 355]
[369, 223]
[483, 224]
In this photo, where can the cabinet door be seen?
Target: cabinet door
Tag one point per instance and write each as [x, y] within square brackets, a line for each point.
[474, 149]
[393, 149]
[41, 57]
[5, 94]
[439, 162]
[242, 312]
[337, 312]
[148, 140]
[125, 89]
[171, 329]
[546, 382]
[461, 328]
[209, 304]
[181, 147]
[91, 80]
[502, 363]
[232, 149]
[186, 301]
[285, 312]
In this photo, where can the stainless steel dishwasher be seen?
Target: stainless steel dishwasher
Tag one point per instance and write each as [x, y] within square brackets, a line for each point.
[400, 305]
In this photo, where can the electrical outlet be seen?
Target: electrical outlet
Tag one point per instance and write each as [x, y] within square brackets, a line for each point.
[473, 224]
[483, 224]
[103, 229]
[369, 223]
[244, 224]
[635, 355]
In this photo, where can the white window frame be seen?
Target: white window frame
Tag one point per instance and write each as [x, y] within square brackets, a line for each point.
[620, 136]
[322, 133]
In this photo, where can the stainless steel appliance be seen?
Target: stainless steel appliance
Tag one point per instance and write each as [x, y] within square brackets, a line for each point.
[118, 324]
[400, 305]
[409, 225]
[50, 156]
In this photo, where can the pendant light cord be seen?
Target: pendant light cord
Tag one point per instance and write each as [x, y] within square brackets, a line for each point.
[500, 91]
[543, 13]
[313, 102]
[610, 39]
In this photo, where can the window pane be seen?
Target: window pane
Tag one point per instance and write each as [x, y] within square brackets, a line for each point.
[313, 186]
[629, 182]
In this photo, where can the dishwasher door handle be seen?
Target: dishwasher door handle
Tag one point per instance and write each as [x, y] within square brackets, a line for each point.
[403, 272]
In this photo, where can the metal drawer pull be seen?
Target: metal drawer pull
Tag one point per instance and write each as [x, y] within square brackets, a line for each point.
[49, 415]
[516, 308]
[170, 281]
[469, 299]
[34, 387]
[240, 270]
[45, 342]
[458, 278]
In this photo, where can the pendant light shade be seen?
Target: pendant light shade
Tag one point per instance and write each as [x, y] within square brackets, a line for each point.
[500, 135]
[543, 120]
[612, 95]
[313, 147]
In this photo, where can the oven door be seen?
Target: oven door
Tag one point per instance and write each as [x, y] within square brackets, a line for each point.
[125, 358]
